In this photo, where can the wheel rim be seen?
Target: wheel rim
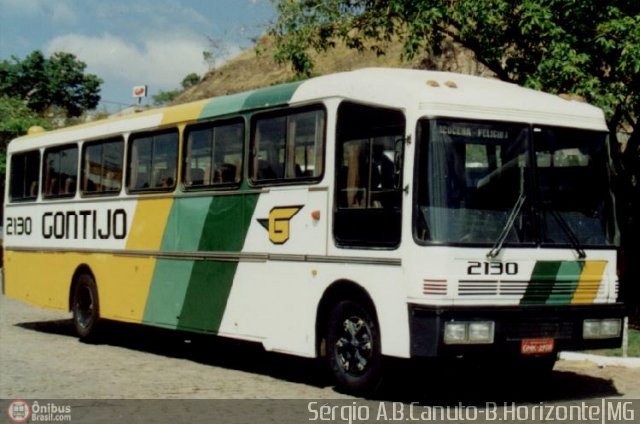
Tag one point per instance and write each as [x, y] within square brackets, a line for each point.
[354, 346]
[85, 310]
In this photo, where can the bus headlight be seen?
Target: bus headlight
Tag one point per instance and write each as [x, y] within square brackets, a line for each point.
[481, 332]
[468, 332]
[455, 332]
[601, 328]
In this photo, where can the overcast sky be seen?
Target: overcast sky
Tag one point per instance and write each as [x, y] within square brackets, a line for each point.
[132, 42]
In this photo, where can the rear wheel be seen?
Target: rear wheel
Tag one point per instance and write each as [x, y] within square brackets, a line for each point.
[353, 347]
[85, 307]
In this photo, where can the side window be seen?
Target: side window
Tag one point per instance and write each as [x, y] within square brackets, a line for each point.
[287, 146]
[153, 159]
[25, 172]
[102, 167]
[60, 170]
[213, 155]
[369, 155]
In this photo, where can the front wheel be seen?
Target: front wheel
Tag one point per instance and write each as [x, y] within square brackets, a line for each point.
[85, 307]
[353, 347]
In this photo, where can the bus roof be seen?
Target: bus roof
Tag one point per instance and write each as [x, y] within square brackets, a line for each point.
[433, 93]
[417, 92]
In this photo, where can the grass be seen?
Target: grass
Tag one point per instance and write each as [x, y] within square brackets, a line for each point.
[634, 346]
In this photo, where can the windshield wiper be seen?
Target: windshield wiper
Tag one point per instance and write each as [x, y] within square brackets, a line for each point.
[575, 243]
[497, 247]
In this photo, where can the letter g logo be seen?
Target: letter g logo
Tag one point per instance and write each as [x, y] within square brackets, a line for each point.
[278, 223]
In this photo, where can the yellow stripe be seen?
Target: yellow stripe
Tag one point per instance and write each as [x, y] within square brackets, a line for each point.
[38, 278]
[590, 281]
[125, 295]
[44, 279]
[183, 113]
[148, 224]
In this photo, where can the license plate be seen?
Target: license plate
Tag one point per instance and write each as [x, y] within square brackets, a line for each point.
[536, 346]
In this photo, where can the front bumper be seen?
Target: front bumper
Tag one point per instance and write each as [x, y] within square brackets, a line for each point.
[513, 324]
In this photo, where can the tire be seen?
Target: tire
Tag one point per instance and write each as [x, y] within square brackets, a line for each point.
[353, 347]
[86, 307]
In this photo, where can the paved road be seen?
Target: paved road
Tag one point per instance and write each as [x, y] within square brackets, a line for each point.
[40, 358]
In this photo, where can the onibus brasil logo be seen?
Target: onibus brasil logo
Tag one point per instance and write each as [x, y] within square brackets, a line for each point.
[19, 411]
[278, 223]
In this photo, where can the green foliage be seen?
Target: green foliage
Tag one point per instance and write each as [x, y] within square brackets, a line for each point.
[59, 81]
[15, 119]
[166, 97]
[582, 47]
[190, 80]
[633, 347]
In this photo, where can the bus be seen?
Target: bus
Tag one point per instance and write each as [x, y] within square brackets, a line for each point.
[354, 217]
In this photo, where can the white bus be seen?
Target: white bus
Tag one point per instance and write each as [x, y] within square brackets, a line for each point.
[355, 216]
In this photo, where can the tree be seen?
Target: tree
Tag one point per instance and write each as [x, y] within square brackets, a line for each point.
[190, 80]
[165, 97]
[583, 47]
[218, 50]
[59, 81]
[15, 119]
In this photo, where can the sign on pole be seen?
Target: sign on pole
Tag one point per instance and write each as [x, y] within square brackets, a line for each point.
[138, 92]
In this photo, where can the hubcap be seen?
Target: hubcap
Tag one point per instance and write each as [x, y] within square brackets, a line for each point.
[354, 346]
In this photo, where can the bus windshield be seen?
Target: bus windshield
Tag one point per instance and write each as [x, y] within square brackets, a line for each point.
[572, 181]
[476, 185]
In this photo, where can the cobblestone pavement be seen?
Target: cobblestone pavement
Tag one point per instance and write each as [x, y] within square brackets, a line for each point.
[40, 357]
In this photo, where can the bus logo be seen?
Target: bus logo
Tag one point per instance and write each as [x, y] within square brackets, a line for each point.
[278, 223]
[19, 411]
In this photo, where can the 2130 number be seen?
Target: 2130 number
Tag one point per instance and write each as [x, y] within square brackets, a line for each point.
[491, 268]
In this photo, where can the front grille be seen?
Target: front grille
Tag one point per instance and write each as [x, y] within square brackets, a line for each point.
[538, 330]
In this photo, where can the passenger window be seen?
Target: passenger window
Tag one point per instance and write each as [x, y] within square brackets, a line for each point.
[153, 160]
[213, 155]
[25, 173]
[60, 172]
[287, 146]
[370, 148]
[102, 167]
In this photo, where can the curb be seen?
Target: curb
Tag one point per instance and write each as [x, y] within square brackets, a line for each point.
[602, 361]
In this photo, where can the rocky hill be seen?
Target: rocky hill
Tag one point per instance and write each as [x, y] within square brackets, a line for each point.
[256, 68]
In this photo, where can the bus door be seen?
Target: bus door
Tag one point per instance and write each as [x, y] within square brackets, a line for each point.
[369, 155]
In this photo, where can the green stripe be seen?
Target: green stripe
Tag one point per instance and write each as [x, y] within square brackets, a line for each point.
[264, 97]
[224, 105]
[225, 229]
[542, 281]
[171, 277]
[271, 96]
[184, 226]
[553, 282]
[566, 282]
[206, 298]
[227, 222]
[167, 292]
[193, 294]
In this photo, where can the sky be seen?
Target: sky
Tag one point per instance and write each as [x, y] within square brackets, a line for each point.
[133, 42]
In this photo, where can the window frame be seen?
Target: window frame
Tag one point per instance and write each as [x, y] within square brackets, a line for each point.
[25, 198]
[57, 150]
[280, 113]
[186, 156]
[90, 143]
[153, 134]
